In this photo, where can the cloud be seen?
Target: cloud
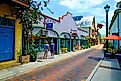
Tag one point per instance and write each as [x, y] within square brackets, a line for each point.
[117, 0]
[71, 4]
[85, 7]
[80, 4]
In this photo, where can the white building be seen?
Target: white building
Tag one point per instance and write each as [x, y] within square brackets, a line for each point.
[88, 24]
[63, 31]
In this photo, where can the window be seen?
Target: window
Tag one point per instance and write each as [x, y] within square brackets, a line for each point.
[119, 6]
[6, 22]
[45, 32]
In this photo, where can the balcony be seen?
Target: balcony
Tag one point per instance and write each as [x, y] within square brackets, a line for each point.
[22, 2]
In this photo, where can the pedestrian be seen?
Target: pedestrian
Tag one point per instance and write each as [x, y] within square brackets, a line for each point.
[52, 49]
[46, 49]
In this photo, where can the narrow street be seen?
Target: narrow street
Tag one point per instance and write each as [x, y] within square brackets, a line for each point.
[77, 68]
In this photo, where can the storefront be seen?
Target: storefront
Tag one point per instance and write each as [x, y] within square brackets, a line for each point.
[75, 40]
[10, 37]
[65, 41]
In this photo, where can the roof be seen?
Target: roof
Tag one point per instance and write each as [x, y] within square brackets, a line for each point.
[59, 19]
[114, 17]
[22, 2]
[77, 18]
[85, 21]
[48, 16]
[82, 30]
[118, 3]
[62, 17]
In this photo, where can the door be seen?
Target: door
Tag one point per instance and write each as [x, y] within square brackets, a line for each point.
[55, 42]
[6, 43]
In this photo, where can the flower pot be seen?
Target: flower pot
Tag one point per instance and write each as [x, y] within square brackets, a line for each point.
[24, 59]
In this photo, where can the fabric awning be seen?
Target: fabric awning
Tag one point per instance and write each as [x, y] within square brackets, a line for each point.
[112, 37]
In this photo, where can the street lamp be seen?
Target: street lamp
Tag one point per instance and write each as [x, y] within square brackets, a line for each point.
[107, 7]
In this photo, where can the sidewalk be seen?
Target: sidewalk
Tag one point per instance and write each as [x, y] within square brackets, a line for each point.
[106, 70]
[22, 69]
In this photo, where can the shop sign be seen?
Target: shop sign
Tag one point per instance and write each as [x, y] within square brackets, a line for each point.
[49, 26]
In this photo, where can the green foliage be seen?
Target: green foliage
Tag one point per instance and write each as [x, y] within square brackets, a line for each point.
[111, 50]
[87, 45]
[110, 45]
[29, 15]
[33, 52]
[120, 48]
[19, 52]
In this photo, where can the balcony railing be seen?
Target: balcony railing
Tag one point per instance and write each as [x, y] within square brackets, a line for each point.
[22, 2]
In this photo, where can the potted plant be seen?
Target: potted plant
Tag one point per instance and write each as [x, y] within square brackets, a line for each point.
[113, 52]
[64, 50]
[22, 58]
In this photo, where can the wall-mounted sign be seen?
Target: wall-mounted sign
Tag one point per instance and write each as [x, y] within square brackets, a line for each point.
[49, 26]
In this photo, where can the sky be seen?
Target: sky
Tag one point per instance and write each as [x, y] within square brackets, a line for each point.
[83, 8]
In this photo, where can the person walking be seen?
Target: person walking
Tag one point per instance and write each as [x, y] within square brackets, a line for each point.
[46, 49]
[52, 49]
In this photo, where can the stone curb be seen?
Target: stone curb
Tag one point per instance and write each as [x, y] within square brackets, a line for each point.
[94, 70]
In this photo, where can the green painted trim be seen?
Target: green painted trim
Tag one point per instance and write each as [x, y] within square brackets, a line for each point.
[58, 41]
[38, 27]
[70, 45]
[56, 33]
[65, 33]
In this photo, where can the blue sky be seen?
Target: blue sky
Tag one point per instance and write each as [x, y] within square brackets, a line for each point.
[82, 7]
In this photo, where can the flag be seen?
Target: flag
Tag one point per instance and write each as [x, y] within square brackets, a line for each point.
[100, 25]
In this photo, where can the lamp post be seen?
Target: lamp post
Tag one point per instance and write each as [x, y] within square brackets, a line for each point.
[107, 7]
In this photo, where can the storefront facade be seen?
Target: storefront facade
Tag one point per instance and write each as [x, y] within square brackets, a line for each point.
[11, 36]
[88, 24]
[115, 25]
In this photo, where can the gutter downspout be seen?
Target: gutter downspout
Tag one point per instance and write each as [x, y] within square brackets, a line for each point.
[118, 31]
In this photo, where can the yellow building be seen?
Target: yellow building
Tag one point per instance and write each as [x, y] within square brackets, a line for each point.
[10, 33]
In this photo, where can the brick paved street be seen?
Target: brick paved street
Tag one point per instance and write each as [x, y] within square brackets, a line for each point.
[77, 68]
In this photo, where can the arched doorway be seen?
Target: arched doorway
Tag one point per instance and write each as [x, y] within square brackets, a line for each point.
[65, 41]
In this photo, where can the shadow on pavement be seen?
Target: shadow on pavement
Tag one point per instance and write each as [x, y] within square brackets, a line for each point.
[95, 58]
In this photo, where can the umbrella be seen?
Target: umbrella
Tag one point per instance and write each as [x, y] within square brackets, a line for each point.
[112, 37]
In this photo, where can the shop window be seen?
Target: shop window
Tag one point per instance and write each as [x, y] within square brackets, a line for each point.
[47, 20]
